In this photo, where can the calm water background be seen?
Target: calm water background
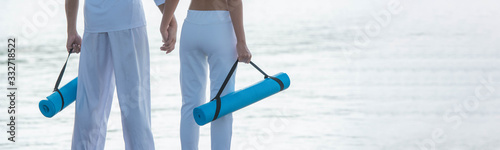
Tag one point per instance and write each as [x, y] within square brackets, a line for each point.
[391, 90]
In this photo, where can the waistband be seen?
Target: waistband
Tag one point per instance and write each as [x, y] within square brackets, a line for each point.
[208, 16]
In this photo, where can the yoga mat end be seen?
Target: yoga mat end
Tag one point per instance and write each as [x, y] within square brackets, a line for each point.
[47, 108]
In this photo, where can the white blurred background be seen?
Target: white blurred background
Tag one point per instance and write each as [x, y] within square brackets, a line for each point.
[366, 75]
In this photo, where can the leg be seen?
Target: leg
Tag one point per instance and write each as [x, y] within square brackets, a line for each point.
[193, 78]
[94, 93]
[130, 52]
[221, 57]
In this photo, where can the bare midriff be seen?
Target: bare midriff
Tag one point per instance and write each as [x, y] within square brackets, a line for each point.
[208, 5]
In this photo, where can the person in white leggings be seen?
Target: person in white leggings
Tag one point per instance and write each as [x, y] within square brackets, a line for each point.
[212, 38]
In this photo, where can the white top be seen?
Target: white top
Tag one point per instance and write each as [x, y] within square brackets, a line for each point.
[113, 15]
[159, 2]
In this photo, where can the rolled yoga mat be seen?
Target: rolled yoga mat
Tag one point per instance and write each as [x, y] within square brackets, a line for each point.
[53, 104]
[236, 100]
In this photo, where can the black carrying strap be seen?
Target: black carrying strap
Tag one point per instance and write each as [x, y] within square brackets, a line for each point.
[217, 97]
[229, 75]
[56, 87]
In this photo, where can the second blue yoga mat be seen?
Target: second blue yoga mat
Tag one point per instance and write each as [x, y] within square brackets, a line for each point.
[236, 100]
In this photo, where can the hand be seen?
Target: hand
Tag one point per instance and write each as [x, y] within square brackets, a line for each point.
[169, 38]
[244, 54]
[74, 42]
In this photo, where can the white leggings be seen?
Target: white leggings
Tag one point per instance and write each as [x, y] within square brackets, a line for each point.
[105, 57]
[207, 41]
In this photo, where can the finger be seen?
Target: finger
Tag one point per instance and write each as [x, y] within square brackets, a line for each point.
[69, 43]
[169, 46]
[73, 47]
[79, 48]
[249, 59]
[241, 59]
[169, 42]
[244, 58]
[164, 47]
[68, 46]
[170, 50]
[76, 49]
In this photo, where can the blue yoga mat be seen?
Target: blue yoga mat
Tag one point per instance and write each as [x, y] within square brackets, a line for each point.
[236, 100]
[52, 105]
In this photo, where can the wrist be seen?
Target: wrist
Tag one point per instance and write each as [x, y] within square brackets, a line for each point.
[164, 24]
[72, 32]
[71, 29]
[241, 42]
[173, 22]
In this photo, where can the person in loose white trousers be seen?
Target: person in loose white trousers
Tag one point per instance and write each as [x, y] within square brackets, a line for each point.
[212, 39]
[120, 57]
[114, 50]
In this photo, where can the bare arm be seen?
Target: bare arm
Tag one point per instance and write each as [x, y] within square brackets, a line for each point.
[173, 21]
[74, 41]
[236, 11]
[168, 12]
[167, 31]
